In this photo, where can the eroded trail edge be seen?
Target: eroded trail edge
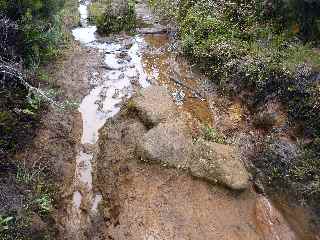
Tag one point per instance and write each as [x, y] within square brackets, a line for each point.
[114, 195]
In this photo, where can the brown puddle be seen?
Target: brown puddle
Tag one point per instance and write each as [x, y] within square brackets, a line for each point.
[168, 69]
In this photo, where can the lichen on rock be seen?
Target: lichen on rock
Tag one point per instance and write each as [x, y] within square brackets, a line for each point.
[219, 163]
[154, 105]
[167, 144]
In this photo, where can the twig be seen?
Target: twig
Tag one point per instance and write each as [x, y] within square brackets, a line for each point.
[8, 70]
[195, 93]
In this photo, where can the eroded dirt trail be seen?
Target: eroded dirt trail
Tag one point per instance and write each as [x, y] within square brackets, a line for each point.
[119, 72]
[141, 201]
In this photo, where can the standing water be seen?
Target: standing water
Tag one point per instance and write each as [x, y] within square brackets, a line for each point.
[123, 70]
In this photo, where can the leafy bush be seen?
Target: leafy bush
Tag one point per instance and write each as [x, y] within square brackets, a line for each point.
[211, 134]
[285, 166]
[114, 17]
[165, 8]
[4, 221]
[37, 24]
[239, 52]
[301, 16]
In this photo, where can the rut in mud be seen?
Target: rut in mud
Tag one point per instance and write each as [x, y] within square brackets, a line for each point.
[113, 195]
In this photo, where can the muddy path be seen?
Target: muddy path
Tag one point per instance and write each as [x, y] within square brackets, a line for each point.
[130, 199]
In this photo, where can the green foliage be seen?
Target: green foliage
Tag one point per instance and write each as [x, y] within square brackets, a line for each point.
[211, 134]
[39, 9]
[239, 52]
[25, 176]
[31, 33]
[39, 28]
[300, 16]
[16, 126]
[44, 203]
[70, 13]
[41, 41]
[113, 19]
[4, 223]
[166, 9]
[286, 166]
[37, 201]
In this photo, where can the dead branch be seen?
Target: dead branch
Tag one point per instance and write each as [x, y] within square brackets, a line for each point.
[8, 70]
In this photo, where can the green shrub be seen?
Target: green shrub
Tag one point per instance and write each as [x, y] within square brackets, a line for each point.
[4, 223]
[300, 16]
[38, 24]
[41, 41]
[30, 35]
[39, 9]
[167, 9]
[113, 17]
[211, 134]
[238, 52]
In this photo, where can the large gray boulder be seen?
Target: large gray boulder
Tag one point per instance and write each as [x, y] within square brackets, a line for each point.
[167, 144]
[154, 105]
[219, 163]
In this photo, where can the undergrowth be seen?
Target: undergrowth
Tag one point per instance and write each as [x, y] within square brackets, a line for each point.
[267, 48]
[113, 17]
[37, 204]
[32, 34]
[211, 134]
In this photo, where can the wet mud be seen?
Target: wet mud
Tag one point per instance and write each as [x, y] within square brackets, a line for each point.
[152, 202]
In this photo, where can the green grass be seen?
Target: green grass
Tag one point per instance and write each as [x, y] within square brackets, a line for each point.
[211, 134]
[38, 199]
[4, 222]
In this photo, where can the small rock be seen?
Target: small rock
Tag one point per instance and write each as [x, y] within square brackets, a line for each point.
[134, 82]
[121, 76]
[167, 144]
[179, 97]
[111, 68]
[154, 105]
[120, 61]
[219, 163]
[116, 93]
[124, 56]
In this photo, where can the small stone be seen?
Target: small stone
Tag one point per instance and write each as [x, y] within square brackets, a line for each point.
[167, 144]
[154, 105]
[219, 163]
